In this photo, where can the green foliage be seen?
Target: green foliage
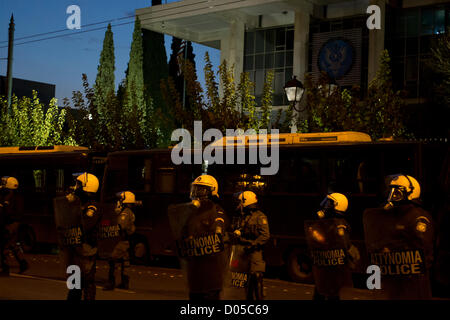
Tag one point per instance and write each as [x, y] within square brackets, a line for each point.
[30, 123]
[384, 106]
[247, 101]
[236, 108]
[440, 64]
[266, 101]
[104, 87]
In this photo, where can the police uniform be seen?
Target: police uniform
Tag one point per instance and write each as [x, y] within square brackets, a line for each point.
[85, 254]
[120, 252]
[399, 239]
[9, 232]
[408, 229]
[332, 254]
[206, 272]
[255, 233]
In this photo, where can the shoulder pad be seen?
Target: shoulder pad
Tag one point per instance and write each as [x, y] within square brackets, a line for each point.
[262, 219]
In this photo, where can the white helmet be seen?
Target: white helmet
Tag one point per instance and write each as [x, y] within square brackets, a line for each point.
[247, 198]
[336, 201]
[204, 186]
[88, 182]
[127, 197]
[403, 187]
[9, 183]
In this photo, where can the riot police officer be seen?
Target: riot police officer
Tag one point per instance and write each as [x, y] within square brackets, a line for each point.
[399, 240]
[253, 233]
[120, 252]
[202, 242]
[84, 255]
[331, 251]
[9, 225]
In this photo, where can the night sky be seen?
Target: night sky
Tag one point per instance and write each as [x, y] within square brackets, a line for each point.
[61, 61]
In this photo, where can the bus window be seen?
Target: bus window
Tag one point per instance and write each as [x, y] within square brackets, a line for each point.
[39, 180]
[297, 175]
[165, 180]
[59, 183]
[351, 174]
[399, 160]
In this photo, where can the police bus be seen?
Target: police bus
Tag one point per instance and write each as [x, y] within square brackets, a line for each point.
[310, 166]
[44, 172]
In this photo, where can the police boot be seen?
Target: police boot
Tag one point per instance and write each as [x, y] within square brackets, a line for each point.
[259, 292]
[125, 282]
[111, 278]
[23, 266]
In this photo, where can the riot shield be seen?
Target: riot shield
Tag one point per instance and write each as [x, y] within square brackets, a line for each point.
[201, 251]
[108, 234]
[238, 274]
[328, 249]
[68, 221]
[399, 250]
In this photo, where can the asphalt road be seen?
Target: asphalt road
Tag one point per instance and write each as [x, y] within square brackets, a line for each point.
[46, 280]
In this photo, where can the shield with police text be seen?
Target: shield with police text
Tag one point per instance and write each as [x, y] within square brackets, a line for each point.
[69, 228]
[328, 240]
[401, 246]
[109, 230]
[238, 275]
[201, 250]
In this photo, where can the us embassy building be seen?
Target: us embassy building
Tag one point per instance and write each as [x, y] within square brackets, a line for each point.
[292, 37]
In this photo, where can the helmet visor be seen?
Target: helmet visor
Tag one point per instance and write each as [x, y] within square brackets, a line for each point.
[327, 203]
[200, 192]
[396, 194]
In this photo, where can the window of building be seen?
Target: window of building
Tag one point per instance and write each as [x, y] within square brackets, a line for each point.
[410, 45]
[270, 49]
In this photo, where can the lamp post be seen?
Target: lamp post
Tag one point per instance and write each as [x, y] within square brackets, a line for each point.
[294, 91]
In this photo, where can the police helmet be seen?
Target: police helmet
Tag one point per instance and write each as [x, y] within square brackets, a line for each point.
[403, 188]
[247, 198]
[204, 186]
[336, 201]
[87, 181]
[10, 183]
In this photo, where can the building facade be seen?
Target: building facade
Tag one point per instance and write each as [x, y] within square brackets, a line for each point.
[292, 37]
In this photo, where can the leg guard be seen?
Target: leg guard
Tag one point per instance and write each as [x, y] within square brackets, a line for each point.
[259, 287]
[89, 280]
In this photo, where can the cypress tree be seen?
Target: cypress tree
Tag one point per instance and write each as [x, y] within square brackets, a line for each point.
[137, 110]
[155, 64]
[105, 83]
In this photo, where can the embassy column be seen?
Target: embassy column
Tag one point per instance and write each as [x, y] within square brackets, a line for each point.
[301, 38]
[376, 41]
[232, 48]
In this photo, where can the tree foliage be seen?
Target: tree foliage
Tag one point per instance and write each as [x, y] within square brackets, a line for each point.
[31, 123]
[440, 64]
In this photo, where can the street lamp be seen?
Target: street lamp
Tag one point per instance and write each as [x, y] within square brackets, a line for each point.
[294, 91]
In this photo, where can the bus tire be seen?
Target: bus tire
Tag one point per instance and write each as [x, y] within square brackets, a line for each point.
[299, 267]
[27, 238]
